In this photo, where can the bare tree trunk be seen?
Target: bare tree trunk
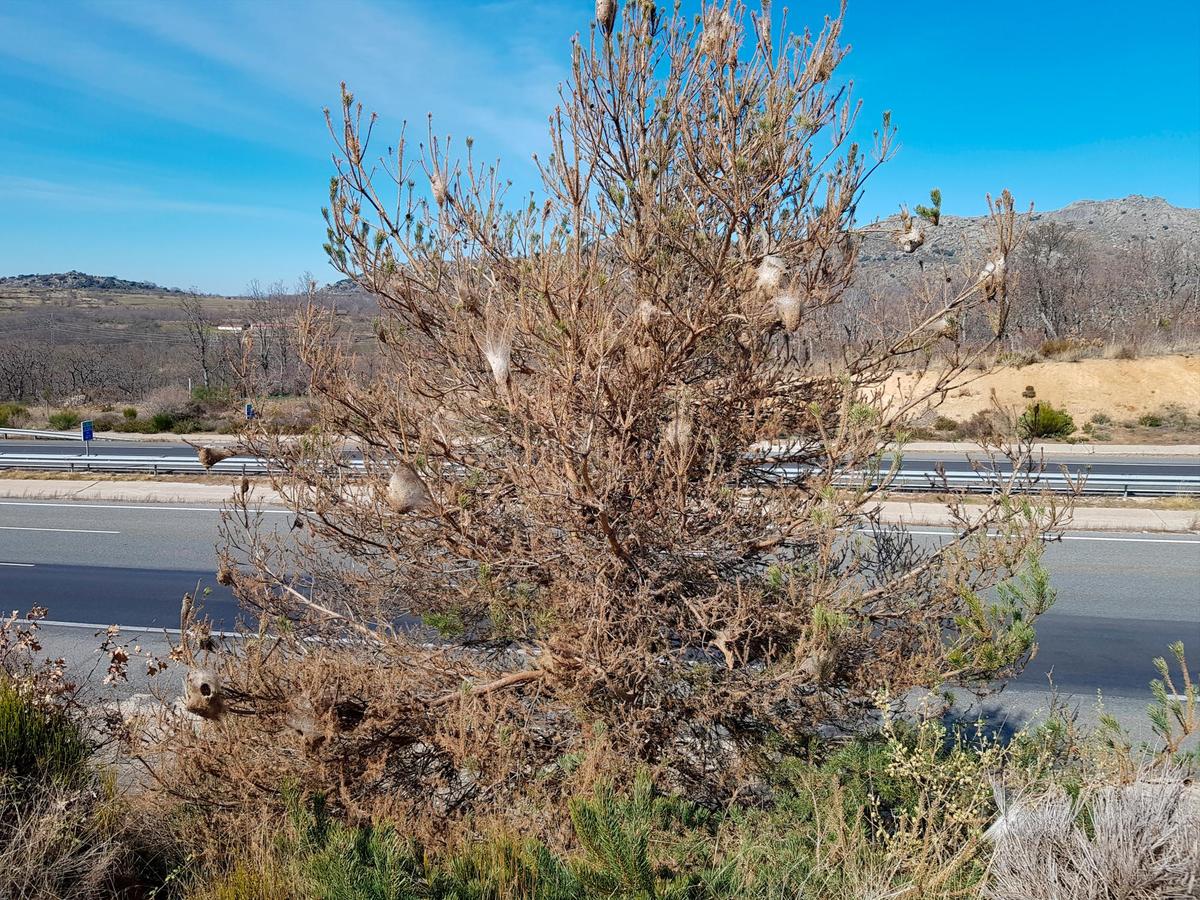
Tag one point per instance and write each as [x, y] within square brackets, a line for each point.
[199, 329]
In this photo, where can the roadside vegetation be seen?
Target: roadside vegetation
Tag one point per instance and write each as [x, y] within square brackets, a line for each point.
[169, 411]
[1170, 423]
[915, 806]
[568, 634]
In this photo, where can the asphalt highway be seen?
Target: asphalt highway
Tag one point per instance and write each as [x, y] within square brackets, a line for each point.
[917, 462]
[112, 563]
[1122, 598]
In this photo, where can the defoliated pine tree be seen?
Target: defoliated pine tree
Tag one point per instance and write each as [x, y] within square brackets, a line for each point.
[616, 437]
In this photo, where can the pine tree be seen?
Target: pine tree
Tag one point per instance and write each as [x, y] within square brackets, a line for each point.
[932, 214]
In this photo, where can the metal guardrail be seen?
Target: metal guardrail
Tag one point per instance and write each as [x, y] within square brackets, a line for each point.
[46, 435]
[143, 463]
[926, 481]
[1052, 479]
[1088, 485]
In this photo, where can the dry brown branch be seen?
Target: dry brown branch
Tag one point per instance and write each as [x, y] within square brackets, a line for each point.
[511, 680]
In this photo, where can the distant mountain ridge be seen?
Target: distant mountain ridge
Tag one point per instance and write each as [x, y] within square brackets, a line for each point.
[82, 281]
[1098, 223]
[341, 286]
[1128, 217]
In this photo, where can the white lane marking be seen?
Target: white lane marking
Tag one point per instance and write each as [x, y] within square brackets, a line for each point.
[139, 629]
[63, 530]
[143, 629]
[288, 512]
[145, 507]
[19, 565]
[1081, 537]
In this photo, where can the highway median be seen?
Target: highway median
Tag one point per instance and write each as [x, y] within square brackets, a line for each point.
[1159, 517]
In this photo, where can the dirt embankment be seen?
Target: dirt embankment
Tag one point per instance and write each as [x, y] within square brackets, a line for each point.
[1124, 390]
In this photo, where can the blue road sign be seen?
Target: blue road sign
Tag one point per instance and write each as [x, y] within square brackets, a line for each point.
[86, 427]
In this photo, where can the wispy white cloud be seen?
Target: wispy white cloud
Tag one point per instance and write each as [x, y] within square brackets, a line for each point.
[258, 69]
[55, 49]
[184, 141]
[110, 197]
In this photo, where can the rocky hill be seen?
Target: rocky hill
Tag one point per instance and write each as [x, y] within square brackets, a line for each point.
[81, 281]
[343, 286]
[1097, 224]
[1118, 221]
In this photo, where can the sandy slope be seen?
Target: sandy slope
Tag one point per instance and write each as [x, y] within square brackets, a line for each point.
[1121, 388]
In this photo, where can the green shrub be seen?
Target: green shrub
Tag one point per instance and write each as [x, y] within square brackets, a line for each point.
[104, 423]
[1150, 420]
[639, 844]
[64, 831]
[1101, 419]
[38, 744]
[1041, 420]
[315, 855]
[944, 423]
[447, 624]
[342, 863]
[135, 426]
[130, 412]
[1174, 415]
[212, 397]
[186, 426]
[163, 421]
[64, 419]
[11, 414]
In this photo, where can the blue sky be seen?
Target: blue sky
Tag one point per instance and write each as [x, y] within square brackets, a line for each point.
[184, 143]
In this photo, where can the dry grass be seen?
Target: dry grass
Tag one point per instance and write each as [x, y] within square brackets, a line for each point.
[1135, 841]
[60, 845]
[106, 300]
